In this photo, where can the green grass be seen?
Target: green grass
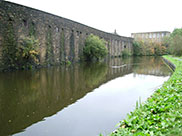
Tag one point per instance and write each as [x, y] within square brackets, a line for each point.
[161, 114]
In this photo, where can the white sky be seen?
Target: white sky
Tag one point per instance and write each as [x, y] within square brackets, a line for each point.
[126, 16]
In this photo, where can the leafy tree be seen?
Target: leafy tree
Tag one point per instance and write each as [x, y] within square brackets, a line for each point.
[175, 45]
[95, 48]
[136, 48]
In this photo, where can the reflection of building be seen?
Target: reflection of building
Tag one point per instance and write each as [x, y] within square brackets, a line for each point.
[154, 36]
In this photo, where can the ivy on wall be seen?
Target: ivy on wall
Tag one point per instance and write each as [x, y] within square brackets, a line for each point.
[62, 47]
[49, 49]
[72, 48]
[32, 31]
[19, 54]
[9, 58]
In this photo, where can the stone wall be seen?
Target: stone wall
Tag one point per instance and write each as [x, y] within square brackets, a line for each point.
[63, 38]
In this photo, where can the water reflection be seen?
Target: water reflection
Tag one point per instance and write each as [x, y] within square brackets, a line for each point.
[150, 66]
[28, 97]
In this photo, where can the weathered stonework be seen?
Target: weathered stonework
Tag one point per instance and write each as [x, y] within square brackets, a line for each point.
[60, 39]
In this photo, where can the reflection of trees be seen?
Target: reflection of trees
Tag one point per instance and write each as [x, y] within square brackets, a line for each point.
[27, 97]
[150, 66]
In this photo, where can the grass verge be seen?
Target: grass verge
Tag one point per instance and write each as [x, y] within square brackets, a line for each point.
[161, 114]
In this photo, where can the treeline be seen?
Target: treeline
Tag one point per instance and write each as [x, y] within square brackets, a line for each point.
[175, 42]
[168, 45]
[149, 48]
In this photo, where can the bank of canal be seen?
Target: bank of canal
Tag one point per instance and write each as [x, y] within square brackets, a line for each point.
[76, 100]
[161, 114]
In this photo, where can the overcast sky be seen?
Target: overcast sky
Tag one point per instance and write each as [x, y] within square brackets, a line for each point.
[126, 16]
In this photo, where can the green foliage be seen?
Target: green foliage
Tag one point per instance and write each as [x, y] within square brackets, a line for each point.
[22, 54]
[161, 114]
[68, 62]
[62, 43]
[9, 48]
[125, 53]
[32, 29]
[175, 42]
[27, 53]
[149, 48]
[18, 53]
[49, 49]
[95, 48]
[177, 31]
[137, 48]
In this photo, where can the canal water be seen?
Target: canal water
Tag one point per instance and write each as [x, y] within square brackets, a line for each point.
[76, 100]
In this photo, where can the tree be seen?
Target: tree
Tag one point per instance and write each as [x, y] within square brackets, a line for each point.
[175, 45]
[95, 48]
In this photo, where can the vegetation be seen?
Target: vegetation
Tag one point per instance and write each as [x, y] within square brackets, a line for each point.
[126, 53]
[49, 49]
[94, 49]
[175, 42]
[9, 48]
[161, 114]
[169, 45]
[23, 55]
[149, 48]
[27, 53]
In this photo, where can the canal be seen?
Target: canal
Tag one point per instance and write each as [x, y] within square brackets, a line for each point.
[76, 100]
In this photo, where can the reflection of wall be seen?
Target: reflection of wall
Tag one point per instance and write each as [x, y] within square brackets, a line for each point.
[120, 65]
[27, 97]
[62, 37]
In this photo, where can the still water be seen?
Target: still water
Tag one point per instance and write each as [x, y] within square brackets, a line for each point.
[77, 100]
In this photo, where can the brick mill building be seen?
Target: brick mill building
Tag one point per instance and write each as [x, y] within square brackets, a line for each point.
[154, 36]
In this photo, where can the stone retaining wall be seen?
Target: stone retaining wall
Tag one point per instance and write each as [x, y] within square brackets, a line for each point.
[64, 37]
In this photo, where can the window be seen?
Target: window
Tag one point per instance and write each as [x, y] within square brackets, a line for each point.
[25, 22]
[158, 35]
[154, 35]
[143, 35]
[146, 36]
[57, 29]
[150, 36]
[162, 35]
[77, 32]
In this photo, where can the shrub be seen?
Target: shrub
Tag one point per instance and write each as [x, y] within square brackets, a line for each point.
[27, 53]
[125, 53]
[23, 54]
[95, 48]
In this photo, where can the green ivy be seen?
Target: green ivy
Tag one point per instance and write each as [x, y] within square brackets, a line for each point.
[62, 47]
[9, 58]
[49, 49]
